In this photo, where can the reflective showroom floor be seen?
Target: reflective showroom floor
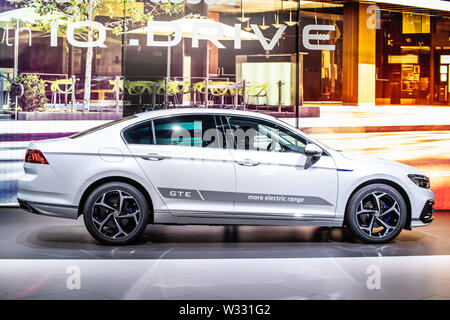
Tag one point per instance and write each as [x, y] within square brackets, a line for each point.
[49, 258]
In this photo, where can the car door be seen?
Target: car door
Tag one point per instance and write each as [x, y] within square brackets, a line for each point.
[183, 159]
[273, 179]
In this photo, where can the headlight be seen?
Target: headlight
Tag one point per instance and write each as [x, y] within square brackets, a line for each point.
[420, 180]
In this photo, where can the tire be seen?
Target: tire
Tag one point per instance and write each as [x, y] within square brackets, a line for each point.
[376, 221]
[104, 221]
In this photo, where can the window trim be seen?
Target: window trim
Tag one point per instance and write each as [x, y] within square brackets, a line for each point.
[154, 132]
[219, 115]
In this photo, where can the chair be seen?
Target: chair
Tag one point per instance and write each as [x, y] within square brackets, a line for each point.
[114, 88]
[221, 89]
[174, 89]
[257, 91]
[199, 87]
[138, 88]
[180, 88]
[57, 91]
[135, 88]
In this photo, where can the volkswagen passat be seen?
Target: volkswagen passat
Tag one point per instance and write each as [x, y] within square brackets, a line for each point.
[217, 167]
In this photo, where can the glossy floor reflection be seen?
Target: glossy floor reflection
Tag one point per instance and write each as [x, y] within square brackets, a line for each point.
[27, 236]
[406, 277]
[40, 257]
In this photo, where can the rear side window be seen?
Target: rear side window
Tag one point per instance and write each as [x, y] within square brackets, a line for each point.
[188, 130]
[140, 134]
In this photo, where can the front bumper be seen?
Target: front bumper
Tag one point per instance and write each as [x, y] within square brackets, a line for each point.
[426, 215]
[427, 212]
[52, 210]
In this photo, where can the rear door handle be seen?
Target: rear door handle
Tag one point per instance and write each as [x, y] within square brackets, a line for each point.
[247, 163]
[152, 157]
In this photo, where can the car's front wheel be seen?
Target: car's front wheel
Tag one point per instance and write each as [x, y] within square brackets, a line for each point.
[116, 213]
[376, 213]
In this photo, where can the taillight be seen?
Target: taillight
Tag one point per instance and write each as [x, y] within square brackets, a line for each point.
[35, 156]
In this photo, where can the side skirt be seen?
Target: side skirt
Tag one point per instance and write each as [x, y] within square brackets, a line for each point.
[209, 218]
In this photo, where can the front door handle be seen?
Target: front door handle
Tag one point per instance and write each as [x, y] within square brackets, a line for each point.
[247, 163]
[152, 157]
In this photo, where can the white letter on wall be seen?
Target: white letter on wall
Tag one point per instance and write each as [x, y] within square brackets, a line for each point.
[237, 35]
[262, 40]
[163, 25]
[308, 36]
[71, 26]
[207, 26]
[54, 34]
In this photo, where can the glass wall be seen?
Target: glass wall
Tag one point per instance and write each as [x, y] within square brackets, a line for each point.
[323, 68]
[412, 59]
[403, 62]
[254, 54]
[250, 60]
[73, 66]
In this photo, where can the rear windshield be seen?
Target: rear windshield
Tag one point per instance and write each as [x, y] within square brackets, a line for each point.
[100, 127]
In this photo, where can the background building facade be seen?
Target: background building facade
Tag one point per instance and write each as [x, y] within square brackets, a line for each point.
[386, 52]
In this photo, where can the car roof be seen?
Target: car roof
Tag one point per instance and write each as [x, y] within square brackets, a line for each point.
[167, 112]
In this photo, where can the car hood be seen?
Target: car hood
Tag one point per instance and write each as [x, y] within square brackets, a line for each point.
[366, 160]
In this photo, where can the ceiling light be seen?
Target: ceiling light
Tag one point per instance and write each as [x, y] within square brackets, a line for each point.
[243, 18]
[291, 23]
[277, 23]
[263, 26]
[248, 28]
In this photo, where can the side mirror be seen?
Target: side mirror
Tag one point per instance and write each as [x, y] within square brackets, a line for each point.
[313, 154]
[311, 150]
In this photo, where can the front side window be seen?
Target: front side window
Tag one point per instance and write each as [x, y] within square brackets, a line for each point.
[188, 130]
[259, 135]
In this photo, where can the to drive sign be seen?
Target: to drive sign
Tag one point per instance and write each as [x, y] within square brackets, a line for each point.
[203, 30]
[214, 32]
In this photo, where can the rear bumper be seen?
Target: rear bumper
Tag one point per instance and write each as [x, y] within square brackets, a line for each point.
[46, 209]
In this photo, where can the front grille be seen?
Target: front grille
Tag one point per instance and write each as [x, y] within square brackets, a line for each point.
[427, 212]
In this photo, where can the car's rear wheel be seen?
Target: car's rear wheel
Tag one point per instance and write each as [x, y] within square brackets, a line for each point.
[116, 213]
[376, 213]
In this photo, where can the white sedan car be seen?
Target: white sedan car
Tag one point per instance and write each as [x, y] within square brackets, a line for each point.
[217, 167]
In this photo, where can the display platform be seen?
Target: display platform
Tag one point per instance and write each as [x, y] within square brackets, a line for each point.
[41, 255]
[28, 236]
